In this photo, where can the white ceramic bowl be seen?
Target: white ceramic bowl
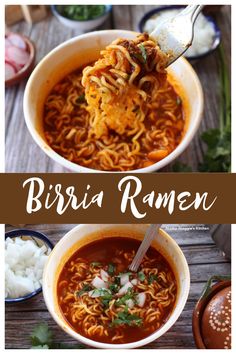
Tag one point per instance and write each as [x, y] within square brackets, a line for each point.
[81, 50]
[83, 234]
[82, 26]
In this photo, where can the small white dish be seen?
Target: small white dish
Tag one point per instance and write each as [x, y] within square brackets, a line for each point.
[84, 234]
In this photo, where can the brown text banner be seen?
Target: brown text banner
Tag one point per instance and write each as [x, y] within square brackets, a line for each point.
[118, 198]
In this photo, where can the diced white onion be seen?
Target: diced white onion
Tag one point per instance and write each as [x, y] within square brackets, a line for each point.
[124, 278]
[93, 294]
[98, 292]
[124, 289]
[204, 31]
[134, 281]
[129, 303]
[141, 298]
[104, 275]
[24, 264]
[98, 283]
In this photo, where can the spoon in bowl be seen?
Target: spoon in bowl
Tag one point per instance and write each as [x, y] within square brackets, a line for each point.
[175, 36]
[152, 231]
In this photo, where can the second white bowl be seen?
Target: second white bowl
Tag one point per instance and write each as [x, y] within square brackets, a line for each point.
[83, 234]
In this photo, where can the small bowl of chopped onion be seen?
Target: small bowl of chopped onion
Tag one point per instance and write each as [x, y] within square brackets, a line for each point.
[206, 32]
[81, 17]
[26, 252]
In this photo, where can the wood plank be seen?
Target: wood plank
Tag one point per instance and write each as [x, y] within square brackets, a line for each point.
[182, 233]
[179, 336]
[28, 320]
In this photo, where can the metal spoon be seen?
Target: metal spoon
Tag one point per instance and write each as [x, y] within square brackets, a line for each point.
[175, 36]
[152, 231]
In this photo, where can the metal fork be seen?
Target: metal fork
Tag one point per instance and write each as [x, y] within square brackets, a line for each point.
[175, 36]
[152, 231]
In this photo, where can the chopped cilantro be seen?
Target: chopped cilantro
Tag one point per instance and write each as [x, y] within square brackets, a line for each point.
[217, 157]
[126, 318]
[130, 295]
[80, 99]
[143, 52]
[113, 288]
[106, 300]
[104, 294]
[152, 278]
[117, 280]
[138, 56]
[141, 276]
[85, 289]
[42, 338]
[181, 167]
[41, 335]
[111, 269]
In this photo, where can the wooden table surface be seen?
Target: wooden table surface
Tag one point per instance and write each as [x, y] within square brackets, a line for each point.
[204, 260]
[22, 153]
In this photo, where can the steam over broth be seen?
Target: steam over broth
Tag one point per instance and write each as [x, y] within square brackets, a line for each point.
[105, 302]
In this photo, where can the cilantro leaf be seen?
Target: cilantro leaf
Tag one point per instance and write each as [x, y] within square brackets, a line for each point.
[141, 56]
[141, 276]
[111, 269]
[80, 99]
[152, 278]
[181, 167]
[217, 157]
[41, 335]
[41, 338]
[114, 288]
[143, 52]
[105, 300]
[211, 137]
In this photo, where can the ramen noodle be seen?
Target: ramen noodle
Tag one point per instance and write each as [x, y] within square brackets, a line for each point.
[120, 114]
[103, 301]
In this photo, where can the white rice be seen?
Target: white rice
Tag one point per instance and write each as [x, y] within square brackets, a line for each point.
[204, 32]
[24, 263]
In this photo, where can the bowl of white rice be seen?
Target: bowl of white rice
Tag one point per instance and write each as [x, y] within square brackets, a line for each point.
[26, 253]
[206, 32]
